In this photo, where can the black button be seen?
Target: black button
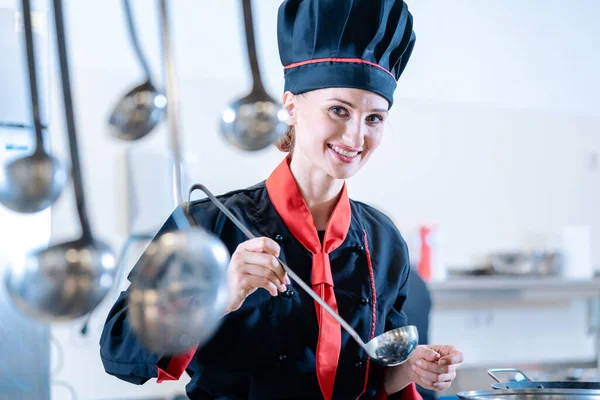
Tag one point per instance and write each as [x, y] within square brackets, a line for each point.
[359, 364]
[282, 357]
[364, 301]
[360, 247]
[288, 293]
[278, 238]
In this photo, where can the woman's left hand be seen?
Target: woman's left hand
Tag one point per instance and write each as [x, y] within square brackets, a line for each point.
[434, 366]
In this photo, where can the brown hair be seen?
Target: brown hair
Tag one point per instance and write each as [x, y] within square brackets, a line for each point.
[286, 142]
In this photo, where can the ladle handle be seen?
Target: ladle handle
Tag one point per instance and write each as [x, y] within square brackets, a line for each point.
[86, 231]
[251, 45]
[33, 85]
[287, 269]
[172, 102]
[134, 39]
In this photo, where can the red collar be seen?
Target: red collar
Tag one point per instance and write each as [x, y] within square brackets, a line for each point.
[291, 207]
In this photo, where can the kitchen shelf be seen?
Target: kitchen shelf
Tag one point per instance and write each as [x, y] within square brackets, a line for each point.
[507, 288]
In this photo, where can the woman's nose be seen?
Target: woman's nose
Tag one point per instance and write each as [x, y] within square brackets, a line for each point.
[354, 137]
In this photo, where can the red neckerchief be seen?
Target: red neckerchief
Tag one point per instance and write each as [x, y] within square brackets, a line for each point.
[291, 207]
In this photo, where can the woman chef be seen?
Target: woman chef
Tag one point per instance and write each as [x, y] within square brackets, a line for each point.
[342, 60]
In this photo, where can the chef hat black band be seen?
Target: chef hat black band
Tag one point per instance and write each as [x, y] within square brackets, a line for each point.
[363, 44]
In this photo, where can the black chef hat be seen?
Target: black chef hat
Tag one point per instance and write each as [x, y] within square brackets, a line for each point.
[362, 44]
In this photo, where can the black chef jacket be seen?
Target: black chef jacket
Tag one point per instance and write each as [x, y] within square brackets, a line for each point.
[266, 349]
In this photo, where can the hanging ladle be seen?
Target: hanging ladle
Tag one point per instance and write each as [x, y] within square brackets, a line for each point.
[142, 108]
[390, 348]
[33, 183]
[68, 280]
[257, 120]
[178, 290]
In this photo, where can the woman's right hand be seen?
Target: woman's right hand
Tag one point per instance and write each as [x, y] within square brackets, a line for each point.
[254, 265]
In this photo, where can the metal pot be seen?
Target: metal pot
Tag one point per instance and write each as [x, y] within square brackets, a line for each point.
[538, 262]
[531, 384]
[528, 389]
[529, 394]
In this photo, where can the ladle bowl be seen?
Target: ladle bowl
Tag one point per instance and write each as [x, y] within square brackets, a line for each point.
[32, 183]
[254, 122]
[178, 291]
[138, 113]
[62, 282]
[393, 347]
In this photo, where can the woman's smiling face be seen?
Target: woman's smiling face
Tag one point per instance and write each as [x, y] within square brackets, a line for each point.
[336, 129]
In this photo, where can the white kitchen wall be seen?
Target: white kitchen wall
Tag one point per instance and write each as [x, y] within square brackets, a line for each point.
[493, 134]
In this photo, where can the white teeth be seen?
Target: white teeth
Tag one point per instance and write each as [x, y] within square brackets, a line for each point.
[345, 153]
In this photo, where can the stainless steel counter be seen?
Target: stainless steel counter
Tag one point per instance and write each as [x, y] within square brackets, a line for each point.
[503, 288]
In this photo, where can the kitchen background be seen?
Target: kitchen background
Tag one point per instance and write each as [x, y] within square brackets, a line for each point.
[494, 139]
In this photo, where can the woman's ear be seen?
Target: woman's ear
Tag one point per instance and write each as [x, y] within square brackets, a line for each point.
[289, 104]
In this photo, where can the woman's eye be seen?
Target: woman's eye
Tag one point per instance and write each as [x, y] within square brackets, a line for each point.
[374, 119]
[339, 111]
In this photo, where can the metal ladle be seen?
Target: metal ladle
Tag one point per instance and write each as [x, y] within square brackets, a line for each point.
[33, 183]
[68, 280]
[257, 120]
[178, 290]
[390, 348]
[142, 108]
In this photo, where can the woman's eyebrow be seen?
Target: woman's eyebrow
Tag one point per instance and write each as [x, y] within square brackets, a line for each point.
[349, 104]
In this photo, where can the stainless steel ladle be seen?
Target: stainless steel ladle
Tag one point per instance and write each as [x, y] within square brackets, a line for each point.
[256, 120]
[143, 107]
[178, 290]
[68, 280]
[33, 183]
[390, 348]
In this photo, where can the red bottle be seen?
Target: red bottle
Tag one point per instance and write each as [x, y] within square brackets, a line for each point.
[425, 257]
